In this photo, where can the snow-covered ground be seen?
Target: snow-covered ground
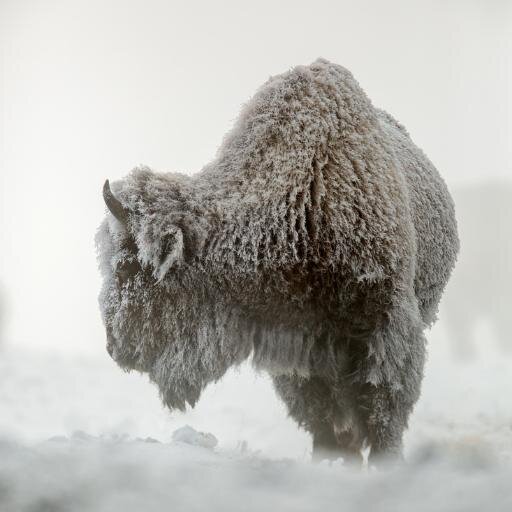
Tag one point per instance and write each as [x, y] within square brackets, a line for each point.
[79, 434]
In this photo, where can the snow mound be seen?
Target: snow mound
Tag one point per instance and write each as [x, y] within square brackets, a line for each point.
[88, 473]
[188, 435]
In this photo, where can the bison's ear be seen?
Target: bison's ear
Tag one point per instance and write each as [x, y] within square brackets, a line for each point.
[170, 253]
[160, 248]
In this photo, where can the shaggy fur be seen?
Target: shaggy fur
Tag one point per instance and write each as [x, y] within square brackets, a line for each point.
[319, 240]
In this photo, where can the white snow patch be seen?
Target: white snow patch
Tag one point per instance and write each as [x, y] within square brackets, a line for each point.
[190, 436]
[86, 473]
[80, 435]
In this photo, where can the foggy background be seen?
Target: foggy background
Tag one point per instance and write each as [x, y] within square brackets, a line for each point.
[89, 89]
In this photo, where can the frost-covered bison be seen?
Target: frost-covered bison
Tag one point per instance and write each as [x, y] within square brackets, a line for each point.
[319, 240]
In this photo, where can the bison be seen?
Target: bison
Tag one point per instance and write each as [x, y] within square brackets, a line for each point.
[318, 241]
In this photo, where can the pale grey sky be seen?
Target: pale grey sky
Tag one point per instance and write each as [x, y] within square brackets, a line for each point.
[91, 88]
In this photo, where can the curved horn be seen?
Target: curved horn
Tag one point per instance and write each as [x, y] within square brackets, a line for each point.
[113, 204]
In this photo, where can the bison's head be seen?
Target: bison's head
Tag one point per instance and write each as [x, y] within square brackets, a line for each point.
[138, 252]
[165, 303]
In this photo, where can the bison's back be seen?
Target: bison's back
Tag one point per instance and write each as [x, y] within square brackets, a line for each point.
[433, 214]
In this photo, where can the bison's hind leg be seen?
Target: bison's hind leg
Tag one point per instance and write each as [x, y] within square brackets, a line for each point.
[391, 381]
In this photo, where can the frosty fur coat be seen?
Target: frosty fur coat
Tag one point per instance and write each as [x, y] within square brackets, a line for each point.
[319, 241]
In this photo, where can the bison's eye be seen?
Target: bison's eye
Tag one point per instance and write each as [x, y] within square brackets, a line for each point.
[126, 270]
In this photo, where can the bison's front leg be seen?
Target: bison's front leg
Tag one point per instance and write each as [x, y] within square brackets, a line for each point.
[313, 403]
[310, 403]
[325, 445]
